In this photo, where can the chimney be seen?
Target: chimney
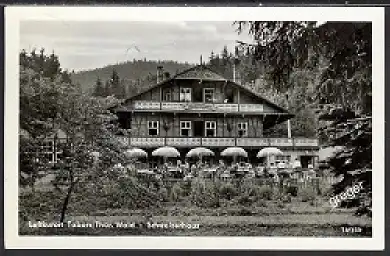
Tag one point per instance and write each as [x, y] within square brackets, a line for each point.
[167, 75]
[160, 73]
[236, 75]
[236, 62]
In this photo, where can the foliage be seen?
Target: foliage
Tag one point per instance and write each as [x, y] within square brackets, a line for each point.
[307, 194]
[245, 200]
[353, 160]
[134, 75]
[251, 73]
[292, 190]
[163, 192]
[204, 194]
[339, 53]
[228, 191]
[176, 192]
[265, 192]
[129, 193]
[100, 89]
[49, 103]
[41, 83]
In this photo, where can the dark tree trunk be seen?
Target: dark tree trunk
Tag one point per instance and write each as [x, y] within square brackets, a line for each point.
[66, 201]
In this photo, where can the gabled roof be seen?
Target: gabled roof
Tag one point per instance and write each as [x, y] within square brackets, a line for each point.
[202, 72]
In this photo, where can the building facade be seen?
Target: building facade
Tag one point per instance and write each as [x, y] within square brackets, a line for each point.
[198, 107]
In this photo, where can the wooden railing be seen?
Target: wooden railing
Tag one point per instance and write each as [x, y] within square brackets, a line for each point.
[197, 106]
[191, 142]
[217, 142]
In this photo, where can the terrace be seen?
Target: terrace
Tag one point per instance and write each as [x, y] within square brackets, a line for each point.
[217, 142]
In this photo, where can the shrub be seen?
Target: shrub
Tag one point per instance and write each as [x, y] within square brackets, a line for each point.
[287, 198]
[280, 204]
[204, 194]
[307, 195]
[265, 192]
[126, 192]
[245, 200]
[261, 203]
[292, 190]
[163, 193]
[227, 191]
[245, 212]
[186, 188]
[176, 192]
[246, 186]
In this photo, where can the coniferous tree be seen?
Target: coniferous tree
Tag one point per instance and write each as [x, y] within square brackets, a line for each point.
[342, 92]
[108, 89]
[115, 84]
[99, 91]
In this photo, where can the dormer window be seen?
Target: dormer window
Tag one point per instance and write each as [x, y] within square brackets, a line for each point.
[208, 95]
[167, 94]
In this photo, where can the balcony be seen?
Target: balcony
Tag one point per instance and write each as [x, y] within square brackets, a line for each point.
[197, 106]
[149, 142]
[177, 142]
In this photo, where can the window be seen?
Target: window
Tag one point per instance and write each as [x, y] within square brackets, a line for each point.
[185, 128]
[208, 95]
[210, 129]
[49, 152]
[185, 94]
[167, 95]
[242, 129]
[153, 128]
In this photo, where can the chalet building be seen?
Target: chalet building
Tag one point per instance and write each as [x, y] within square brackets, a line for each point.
[199, 107]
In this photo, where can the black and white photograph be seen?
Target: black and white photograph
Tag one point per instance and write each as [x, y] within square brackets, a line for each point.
[233, 125]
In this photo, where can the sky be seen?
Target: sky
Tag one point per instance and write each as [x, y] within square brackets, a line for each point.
[83, 45]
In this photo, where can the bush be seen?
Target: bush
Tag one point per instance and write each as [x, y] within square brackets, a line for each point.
[261, 203]
[292, 190]
[265, 192]
[245, 200]
[204, 194]
[280, 204]
[245, 212]
[246, 186]
[227, 191]
[163, 193]
[126, 192]
[176, 192]
[186, 188]
[307, 195]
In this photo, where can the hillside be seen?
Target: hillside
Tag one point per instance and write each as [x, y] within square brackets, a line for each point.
[136, 71]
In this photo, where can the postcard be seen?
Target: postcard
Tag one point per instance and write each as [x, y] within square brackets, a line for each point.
[194, 128]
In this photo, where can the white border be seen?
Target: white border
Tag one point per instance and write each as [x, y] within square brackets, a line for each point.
[14, 15]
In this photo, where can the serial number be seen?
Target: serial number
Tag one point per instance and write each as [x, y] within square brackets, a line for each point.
[351, 229]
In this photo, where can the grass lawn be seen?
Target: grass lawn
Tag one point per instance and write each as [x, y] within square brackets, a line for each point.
[259, 223]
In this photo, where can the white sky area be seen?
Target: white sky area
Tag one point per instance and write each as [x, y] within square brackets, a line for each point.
[83, 45]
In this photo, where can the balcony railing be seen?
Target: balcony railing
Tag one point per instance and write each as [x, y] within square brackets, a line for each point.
[197, 106]
[218, 142]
